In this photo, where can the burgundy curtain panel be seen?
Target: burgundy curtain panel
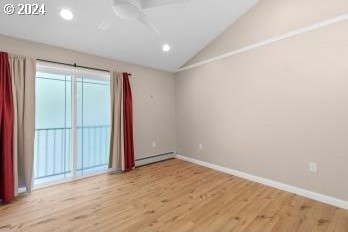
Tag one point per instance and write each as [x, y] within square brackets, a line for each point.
[128, 124]
[6, 131]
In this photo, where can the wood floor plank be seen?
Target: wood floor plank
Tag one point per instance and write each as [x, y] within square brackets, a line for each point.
[169, 196]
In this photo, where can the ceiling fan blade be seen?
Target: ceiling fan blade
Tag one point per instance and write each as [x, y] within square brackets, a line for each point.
[106, 23]
[146, 22]
[155, 3]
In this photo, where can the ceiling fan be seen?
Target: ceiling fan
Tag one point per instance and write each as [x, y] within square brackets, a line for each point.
[133, 10]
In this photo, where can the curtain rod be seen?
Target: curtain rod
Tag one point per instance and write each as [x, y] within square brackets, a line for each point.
[76, 66]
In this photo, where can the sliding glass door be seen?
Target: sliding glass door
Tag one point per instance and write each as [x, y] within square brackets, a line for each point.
[93, 127]
[53, 127]
[72, 122]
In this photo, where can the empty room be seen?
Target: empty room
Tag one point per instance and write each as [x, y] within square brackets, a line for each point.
[174, 116]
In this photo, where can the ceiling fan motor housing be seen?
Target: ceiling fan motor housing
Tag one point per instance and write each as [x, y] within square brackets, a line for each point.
[127, 9]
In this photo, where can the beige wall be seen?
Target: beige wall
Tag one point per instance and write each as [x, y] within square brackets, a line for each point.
[270, 18]
[272, 110]
[153, 92]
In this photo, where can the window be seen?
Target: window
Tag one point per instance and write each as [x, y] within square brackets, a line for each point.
[72, 122]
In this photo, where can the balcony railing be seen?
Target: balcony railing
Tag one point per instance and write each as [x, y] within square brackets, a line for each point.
[53, 151]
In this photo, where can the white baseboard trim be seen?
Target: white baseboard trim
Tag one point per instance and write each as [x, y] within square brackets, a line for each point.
[275, 184]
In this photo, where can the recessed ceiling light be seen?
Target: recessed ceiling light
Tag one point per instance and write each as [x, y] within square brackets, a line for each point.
[166, 48]
[66, 14]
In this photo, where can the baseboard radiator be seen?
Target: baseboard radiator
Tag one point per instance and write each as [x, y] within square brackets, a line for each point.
[154, 158]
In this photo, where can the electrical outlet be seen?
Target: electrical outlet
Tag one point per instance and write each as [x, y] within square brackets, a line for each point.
[154, 144]
[313, 167]
[200, 146]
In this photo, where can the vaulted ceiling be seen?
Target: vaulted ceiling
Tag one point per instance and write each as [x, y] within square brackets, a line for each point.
[187, 28]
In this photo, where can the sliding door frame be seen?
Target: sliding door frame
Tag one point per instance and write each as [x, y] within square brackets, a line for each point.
[73, 137]
[73, 143]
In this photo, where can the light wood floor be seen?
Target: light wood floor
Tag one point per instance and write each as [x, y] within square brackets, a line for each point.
[169, 196]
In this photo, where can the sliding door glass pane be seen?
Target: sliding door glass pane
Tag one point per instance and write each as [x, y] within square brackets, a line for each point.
[52, 158]
[93, 123]
[72, 123]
